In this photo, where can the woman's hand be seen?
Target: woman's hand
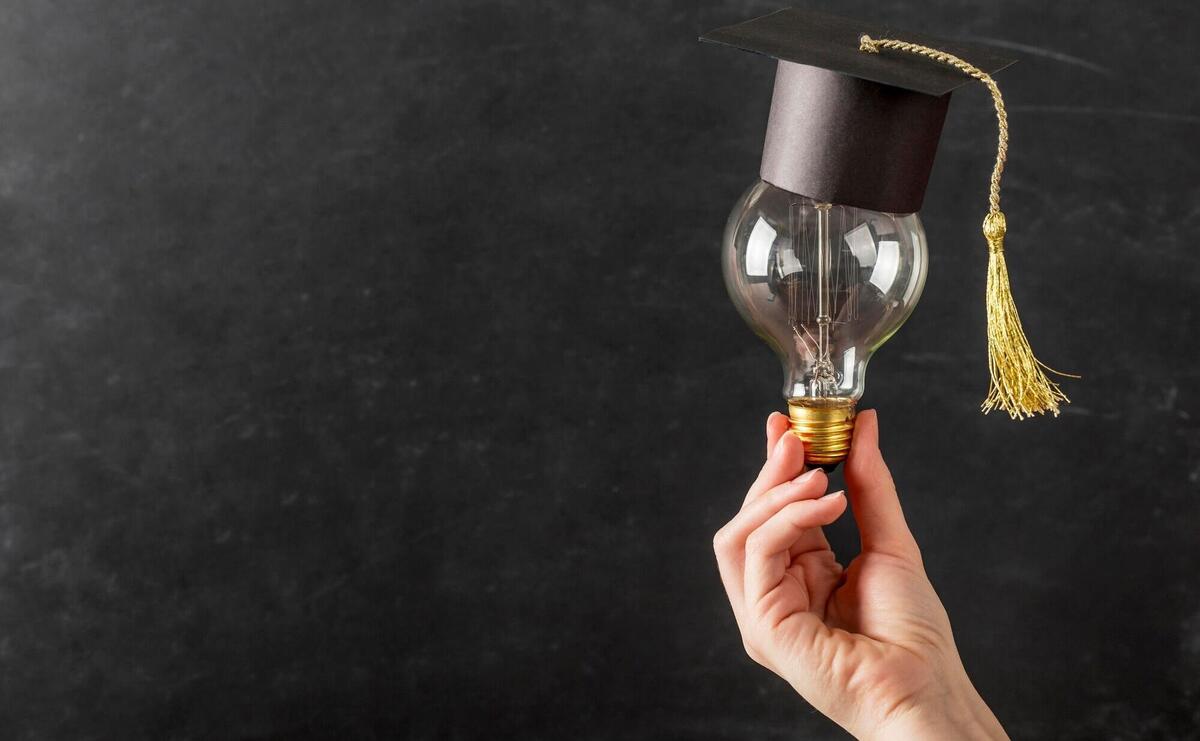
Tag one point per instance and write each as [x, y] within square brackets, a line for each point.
[870, 645]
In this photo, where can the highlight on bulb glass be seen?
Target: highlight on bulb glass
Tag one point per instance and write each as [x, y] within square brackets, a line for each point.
[824, 255]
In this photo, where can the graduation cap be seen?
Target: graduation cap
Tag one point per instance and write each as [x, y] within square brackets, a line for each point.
[848, 127]
[856, 116]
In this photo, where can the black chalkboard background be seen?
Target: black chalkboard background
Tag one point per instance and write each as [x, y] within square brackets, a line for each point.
[366, 371]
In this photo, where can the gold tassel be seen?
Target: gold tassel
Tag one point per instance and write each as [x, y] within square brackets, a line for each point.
[1019, 384]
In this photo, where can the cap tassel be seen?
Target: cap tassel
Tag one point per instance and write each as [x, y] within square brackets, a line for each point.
[1019, 384]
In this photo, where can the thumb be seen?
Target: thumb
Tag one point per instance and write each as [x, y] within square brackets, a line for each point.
[873, 497]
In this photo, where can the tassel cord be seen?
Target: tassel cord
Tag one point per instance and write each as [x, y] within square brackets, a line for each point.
[1019, 384]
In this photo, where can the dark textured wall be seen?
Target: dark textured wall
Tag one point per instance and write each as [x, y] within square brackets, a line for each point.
[366, 371]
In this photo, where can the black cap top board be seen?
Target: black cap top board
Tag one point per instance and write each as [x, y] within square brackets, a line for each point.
[848, 127]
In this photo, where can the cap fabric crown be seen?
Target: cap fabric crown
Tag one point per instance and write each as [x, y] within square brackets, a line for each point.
[846, 127]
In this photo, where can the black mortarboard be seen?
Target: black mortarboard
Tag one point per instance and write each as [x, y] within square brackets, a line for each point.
[847, 127]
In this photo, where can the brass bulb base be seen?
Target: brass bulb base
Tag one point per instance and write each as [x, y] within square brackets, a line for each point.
[825, 426]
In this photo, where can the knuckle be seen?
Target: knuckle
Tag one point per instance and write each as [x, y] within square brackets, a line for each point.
[753, 652]
[721, 541]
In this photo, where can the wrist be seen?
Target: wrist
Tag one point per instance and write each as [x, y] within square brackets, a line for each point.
[957, 714]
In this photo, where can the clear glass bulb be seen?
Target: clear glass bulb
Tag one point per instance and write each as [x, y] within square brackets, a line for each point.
[825, 285]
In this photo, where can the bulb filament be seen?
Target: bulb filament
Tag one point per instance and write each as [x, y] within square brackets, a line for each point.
[824, 376]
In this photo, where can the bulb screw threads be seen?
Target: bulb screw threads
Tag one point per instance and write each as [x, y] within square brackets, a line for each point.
[826, 427]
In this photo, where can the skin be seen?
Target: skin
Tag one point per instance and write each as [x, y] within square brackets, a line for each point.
[868, 645]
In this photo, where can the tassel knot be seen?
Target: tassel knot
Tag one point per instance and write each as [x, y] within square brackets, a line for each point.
[994, 228]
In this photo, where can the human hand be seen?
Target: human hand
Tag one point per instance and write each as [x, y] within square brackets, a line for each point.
[869, 646]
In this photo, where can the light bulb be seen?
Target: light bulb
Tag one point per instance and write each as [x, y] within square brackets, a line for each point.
[825, 285]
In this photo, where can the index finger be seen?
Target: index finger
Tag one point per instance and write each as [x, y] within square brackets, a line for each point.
[777, 424]
[786, 462]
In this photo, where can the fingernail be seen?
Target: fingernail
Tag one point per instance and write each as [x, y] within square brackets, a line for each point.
[834, 494]
[810, 473]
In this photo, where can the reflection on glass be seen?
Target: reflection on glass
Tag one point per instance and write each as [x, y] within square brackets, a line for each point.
[824, 284]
